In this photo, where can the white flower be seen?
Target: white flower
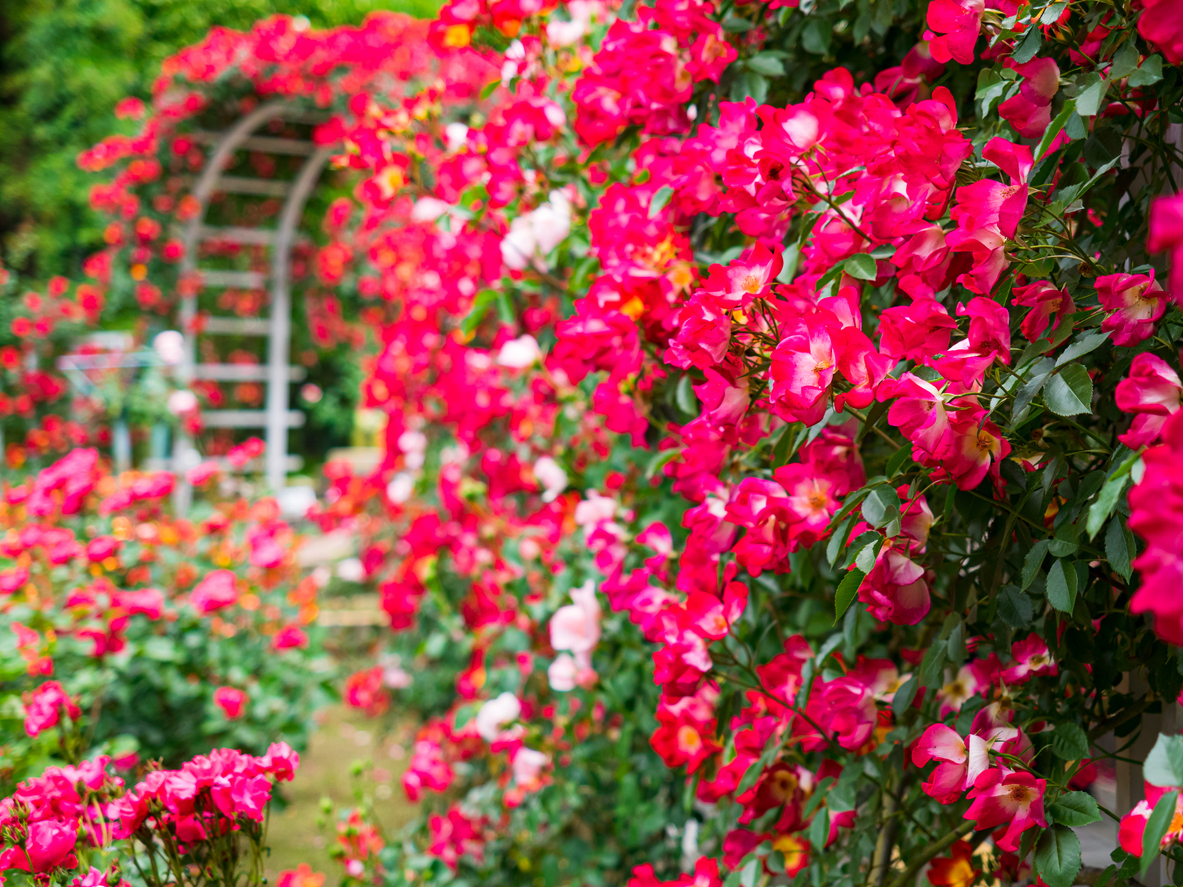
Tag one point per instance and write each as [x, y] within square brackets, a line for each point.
[551, 222]
[495, 714]
[517, 248]
[400, 488]
[595, 509]
[528, 765]
[169, 347]
[428, 209]
[412, 441]
[552, 477]
[351, 570]
[457, 134]
[575, 628]
[560, 34]
[182, 401]
[395, 677]
[532, 237]
[562, 673]
[519, 353]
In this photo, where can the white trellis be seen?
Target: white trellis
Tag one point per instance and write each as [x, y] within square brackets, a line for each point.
[277, 417]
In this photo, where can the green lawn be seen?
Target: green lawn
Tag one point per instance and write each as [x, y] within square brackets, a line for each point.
[343, 737]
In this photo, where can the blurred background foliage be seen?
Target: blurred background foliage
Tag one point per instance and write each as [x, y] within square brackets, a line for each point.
[64, 64]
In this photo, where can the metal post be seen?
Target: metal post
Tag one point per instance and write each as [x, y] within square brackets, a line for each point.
[279, 343]
[203, 190]
[121, 445]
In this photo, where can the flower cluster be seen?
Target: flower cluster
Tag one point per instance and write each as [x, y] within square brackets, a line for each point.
[758, 432]
[162, 824]
[101, 578]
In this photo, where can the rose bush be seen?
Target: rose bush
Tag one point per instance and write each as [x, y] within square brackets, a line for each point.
[170, 634]
[824, 341]
[204, 823]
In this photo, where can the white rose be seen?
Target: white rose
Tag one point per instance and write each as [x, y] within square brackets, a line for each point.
[182, 401]
[169, 347]
[552, 477]
[562, 673]
[575, 628]
[495, 714]
[519, 353]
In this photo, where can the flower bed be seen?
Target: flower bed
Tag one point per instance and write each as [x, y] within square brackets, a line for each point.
[772, 398]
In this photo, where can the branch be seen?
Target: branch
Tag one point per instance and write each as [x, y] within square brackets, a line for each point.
[932, 850]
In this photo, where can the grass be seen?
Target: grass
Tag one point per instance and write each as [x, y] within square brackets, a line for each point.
[343, 737]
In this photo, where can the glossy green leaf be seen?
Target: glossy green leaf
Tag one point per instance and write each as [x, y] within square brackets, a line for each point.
[1164, 764]
[660, 198]
[1057, 856]
[1156, 828]
[847, 591]
[861, 267]
[1069, 742]
[1033, 562]
[1070, 391]
[1061, 586]
[1075, 809]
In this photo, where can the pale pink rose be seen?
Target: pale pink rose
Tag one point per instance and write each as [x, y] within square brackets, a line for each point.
[528, 765]
[575, 628]
[562, 673]
[495, 714]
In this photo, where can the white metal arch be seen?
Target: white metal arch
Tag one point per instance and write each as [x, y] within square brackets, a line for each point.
[277, 417]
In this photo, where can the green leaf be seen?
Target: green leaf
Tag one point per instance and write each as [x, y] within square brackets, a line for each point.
[734, 25]
[160, 649]
[785, 445]
[464, 714]
[1061, 586]
[684, 396]
[819, 829]
[1057, 856]
[815, 36]
[878, 411]
[902, 700]
[1065, 543]
[1148, 74]
[838, 540]
[1052, 13]
[846, 592]
[660, 198]
[1054, 128]
[490, 89]
[1075, 809]
[991, 88]
[1041, 372]
[1125, 60]
[897, 460]
[1119, 548]
[1033, 561]
[1015, 608]
[484, 300]
[1082, 346]
[881, 506]
[1106, 502]
[1156, 828]
[1070, 391]
[861, 267]
[660, 460]
[1028, 47]
[1069, 743]
[768, 65]
[1164, 764]
[932, 667]
[1091, 95]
